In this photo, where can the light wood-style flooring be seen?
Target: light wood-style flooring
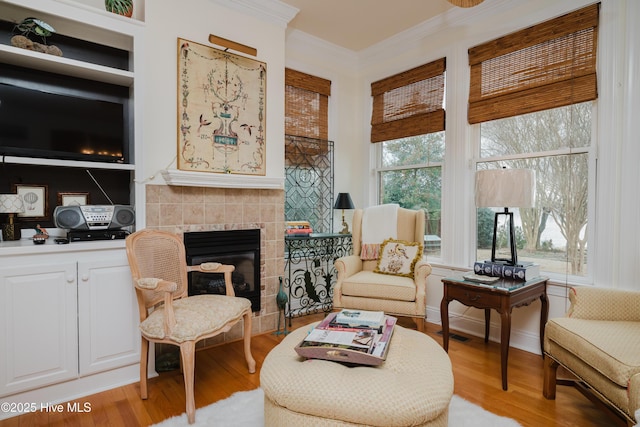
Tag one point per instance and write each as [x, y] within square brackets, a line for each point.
[221, 371]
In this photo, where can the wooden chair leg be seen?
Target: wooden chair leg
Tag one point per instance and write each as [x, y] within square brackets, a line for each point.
[419, 323]
[550, 372]
[188, 353]
[144, 361]
[251, 363]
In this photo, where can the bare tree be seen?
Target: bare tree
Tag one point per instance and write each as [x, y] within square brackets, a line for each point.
[561, 179]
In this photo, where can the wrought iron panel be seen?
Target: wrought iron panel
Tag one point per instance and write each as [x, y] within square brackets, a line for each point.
[309, 182]
[311, 271]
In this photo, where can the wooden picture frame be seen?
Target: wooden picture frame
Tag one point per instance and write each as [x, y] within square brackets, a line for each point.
[36, 201]
[73, 199]
[222, 100]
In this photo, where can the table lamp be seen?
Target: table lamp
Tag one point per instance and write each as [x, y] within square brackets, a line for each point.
[11, 204]
[505, 188]
[344, 202]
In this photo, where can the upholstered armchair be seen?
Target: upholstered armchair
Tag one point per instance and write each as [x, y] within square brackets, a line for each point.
[366, 285]
[599, 343]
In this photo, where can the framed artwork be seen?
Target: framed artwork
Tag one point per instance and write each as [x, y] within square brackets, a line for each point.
[36, 203]
[221, 111]
[73, 199]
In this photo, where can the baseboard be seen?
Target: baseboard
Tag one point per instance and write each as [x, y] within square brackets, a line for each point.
[520, 339]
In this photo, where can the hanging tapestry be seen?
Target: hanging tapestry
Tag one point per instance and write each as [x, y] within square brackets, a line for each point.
[221, 111]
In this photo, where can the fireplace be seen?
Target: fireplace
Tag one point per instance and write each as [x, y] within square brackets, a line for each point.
[240, 248]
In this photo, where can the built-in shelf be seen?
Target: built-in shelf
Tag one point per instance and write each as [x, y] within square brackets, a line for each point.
[60, 65]
[220, 180]
[65, 163]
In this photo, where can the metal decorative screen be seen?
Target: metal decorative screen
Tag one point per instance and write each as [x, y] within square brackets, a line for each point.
[309, 182]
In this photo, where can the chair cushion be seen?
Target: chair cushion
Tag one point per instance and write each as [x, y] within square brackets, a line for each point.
[380, 286]
[398, 257]
[196, 316]
[613, 348]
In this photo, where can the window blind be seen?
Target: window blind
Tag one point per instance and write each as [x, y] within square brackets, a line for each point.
[306, 105]
[409, 103]
[549, 65]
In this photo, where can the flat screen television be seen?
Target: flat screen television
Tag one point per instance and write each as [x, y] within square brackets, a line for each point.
[60, 117]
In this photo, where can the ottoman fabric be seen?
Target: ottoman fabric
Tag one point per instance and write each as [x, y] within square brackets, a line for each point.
[412, 387]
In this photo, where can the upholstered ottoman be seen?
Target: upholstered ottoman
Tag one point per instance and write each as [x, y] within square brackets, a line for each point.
[413, 387]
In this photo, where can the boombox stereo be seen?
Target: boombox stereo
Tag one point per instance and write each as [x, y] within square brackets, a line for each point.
[93, 217]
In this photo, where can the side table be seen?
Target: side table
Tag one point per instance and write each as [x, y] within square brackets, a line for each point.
[501, 296]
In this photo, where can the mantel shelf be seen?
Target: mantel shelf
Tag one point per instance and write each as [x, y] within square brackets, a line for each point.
[218, 180]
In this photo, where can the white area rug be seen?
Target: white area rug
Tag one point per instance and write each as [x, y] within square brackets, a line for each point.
[245, 409]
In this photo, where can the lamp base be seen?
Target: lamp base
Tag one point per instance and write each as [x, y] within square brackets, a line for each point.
[10, 232]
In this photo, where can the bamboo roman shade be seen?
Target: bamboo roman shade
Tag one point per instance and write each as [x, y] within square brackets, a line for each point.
[545, 66]
[549, 65]
[409, 103]
[306, 105]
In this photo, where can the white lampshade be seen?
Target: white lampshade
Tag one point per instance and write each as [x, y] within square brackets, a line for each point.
[11, 203]
[506, 188]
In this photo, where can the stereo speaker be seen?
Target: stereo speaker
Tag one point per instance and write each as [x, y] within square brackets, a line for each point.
[93, 218]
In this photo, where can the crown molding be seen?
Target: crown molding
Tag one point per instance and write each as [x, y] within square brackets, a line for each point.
[415, 36]
[273, 11]
[302, 43]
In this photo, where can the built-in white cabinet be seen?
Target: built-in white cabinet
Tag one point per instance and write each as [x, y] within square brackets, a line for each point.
[69, 322]
[38, 325]
[108, 336]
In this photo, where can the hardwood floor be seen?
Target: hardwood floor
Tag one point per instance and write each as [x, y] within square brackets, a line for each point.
[221, 371]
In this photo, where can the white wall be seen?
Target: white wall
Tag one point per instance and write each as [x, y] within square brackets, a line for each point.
[194, 20]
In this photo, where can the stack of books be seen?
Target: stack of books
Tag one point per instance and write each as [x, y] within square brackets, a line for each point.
[350, 336]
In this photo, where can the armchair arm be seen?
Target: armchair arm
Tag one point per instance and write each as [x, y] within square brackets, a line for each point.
[421, 270]
[159, 285]
[604, 304]
[346, 266]
[216, 267]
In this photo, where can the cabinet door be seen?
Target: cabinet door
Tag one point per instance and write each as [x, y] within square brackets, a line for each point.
[38, 326]
[107, 315]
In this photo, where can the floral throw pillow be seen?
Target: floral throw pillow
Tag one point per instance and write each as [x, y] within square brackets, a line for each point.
[398, 257]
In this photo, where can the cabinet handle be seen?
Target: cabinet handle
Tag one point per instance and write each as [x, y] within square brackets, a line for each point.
[85, 277]
[71, 279]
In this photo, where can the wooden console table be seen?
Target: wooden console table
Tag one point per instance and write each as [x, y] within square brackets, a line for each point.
[501, 296]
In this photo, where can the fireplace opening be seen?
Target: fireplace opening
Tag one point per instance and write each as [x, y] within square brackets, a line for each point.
[240, 248]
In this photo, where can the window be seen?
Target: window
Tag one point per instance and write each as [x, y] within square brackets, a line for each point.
[408, 123]
[533, 93]
[308, 153]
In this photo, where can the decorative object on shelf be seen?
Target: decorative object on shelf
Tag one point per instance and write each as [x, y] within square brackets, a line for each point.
[30, 27]
[36, 203]
[344, 202]
[73, 199]
[119, 7]
[11, 204]
[503, 188]
[222, 99]
[465, 3]
[41, 235]
[281, 301]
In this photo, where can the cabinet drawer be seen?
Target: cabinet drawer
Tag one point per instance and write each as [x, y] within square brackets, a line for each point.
[475, 298]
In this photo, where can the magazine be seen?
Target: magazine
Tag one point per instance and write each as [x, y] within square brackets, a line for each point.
[361, 318]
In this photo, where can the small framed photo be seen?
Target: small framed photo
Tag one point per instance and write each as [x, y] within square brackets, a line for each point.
[73, 199]
[36, 202]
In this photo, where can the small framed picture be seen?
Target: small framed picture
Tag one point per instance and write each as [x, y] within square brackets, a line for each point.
[36, 202]
[73, 199]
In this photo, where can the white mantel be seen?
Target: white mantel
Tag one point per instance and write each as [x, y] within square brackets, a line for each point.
[220, 180]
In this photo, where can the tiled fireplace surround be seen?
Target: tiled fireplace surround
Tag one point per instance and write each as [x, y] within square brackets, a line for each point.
[180, 209]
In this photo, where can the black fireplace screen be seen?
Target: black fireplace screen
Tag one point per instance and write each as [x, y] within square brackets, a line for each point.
[240, 248]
